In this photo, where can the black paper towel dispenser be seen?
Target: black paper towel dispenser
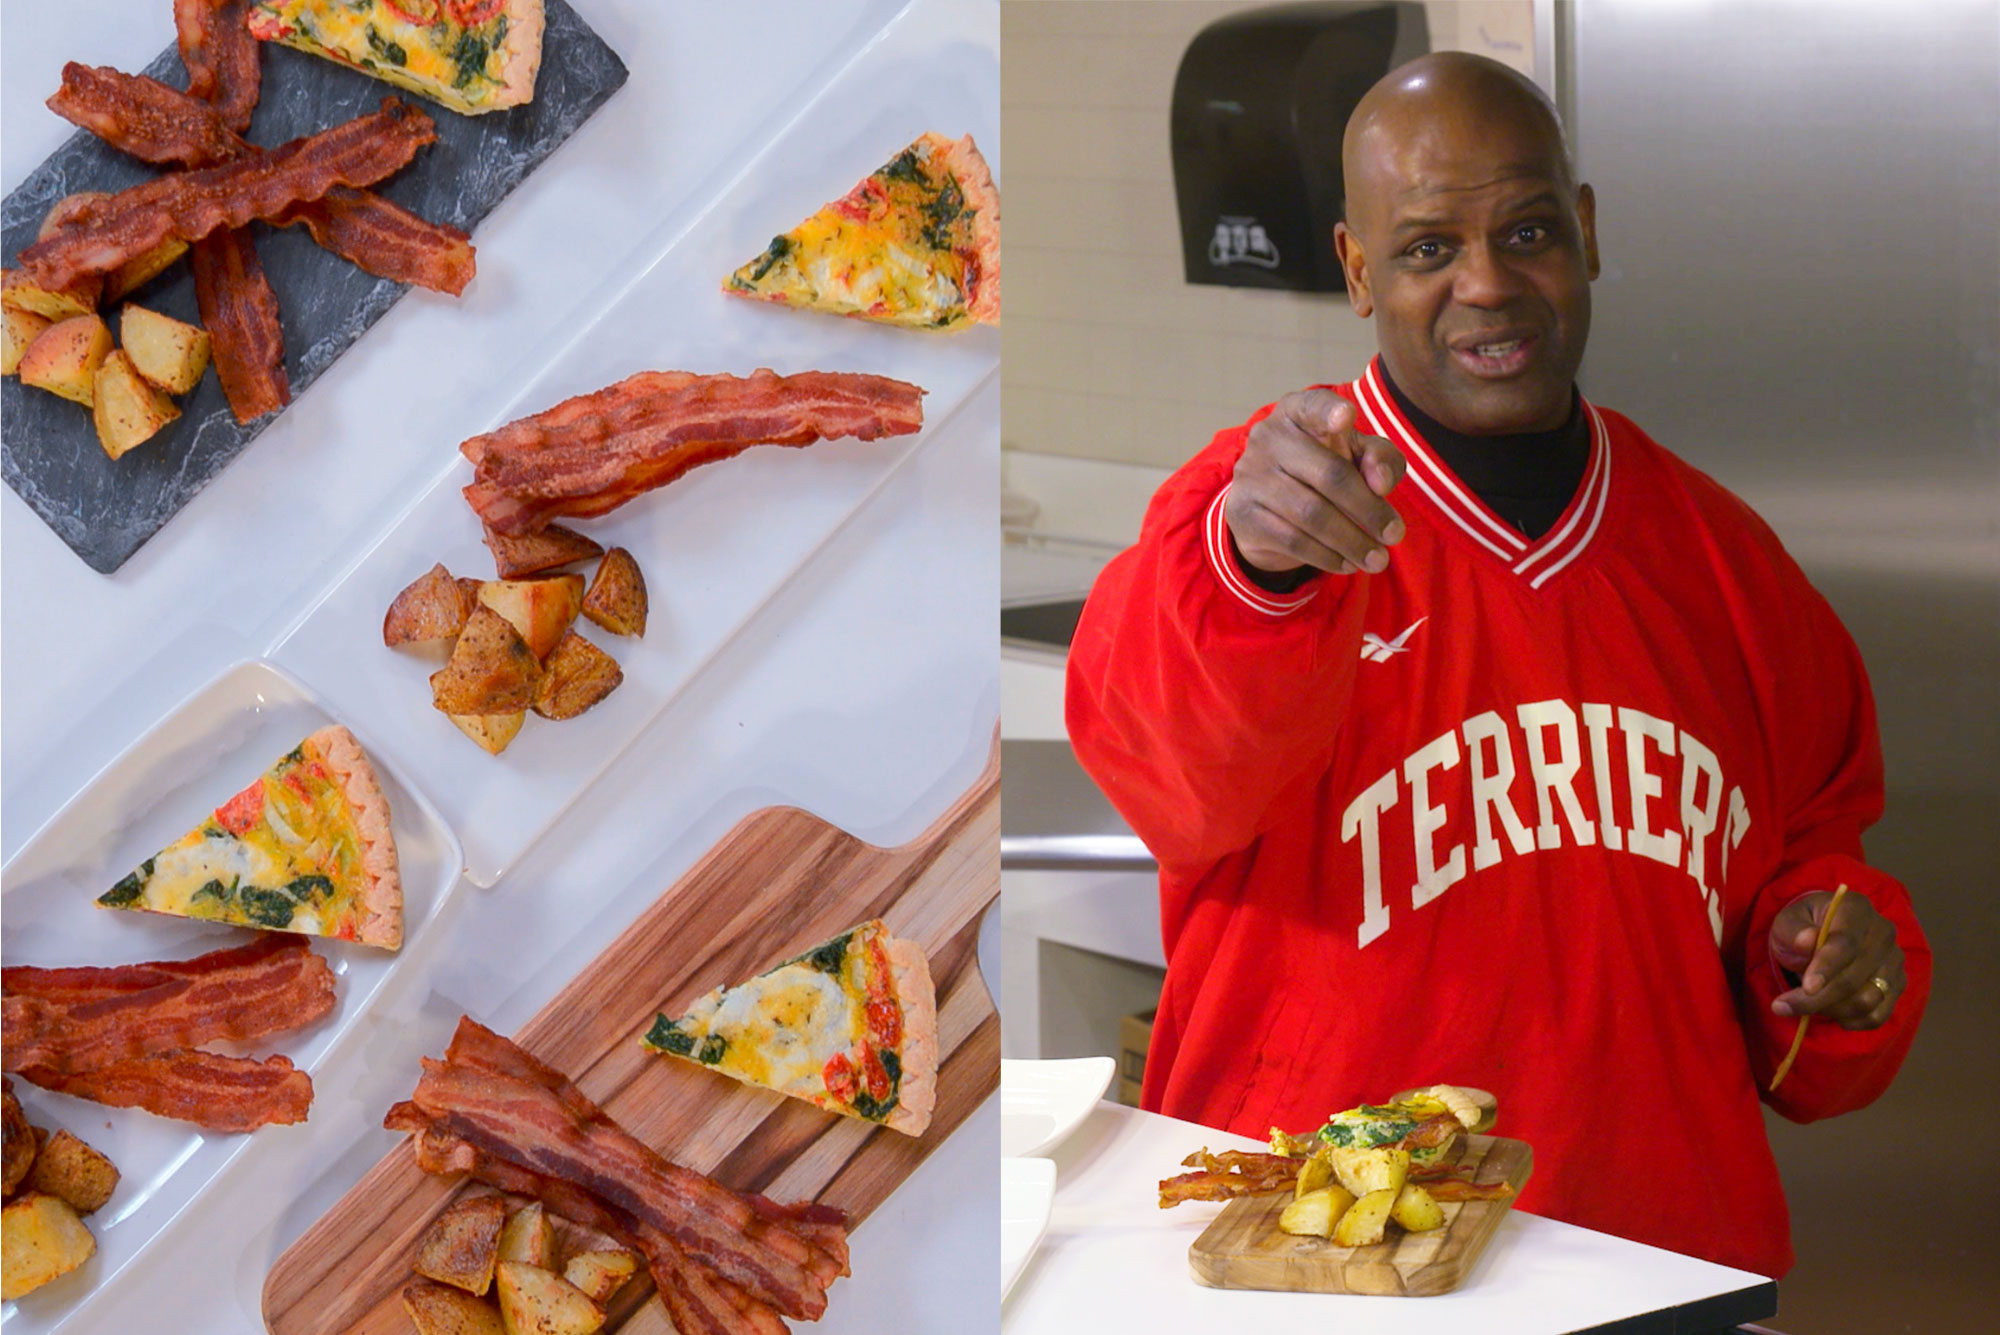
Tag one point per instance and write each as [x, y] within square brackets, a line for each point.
[1260, 103]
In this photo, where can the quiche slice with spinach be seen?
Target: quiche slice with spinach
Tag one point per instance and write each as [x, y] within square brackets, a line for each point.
[916, 243]
[307, 847]
[850, 1026]
[470, 55]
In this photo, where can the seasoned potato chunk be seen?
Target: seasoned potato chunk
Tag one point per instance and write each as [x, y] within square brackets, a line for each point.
[1366, 1220]
[41, 1239]
[1415, 1210]
[1317, 1212]
[492, 670]
[541, 609]
[578, 675]
[1365, 1171]
[19, 1140]
[128, 410]
[166, 351]
[494, 732]
[70, 1170]
[600, 1274]
[617, 597]
[65, 357]
[79, 298]
[534, 1301]
[529, 1237]
[434, 606]
[438, 1309]
[462, 1245]
[141, 269]
[21, 329]
[532, 553]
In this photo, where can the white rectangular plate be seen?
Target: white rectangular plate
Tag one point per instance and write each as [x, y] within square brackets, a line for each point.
[1027, 1194]
[199, 755]
[720, 543]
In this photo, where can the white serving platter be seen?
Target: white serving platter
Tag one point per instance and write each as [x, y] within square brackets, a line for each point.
[1027, 1194]
[1041, 1102]
[202, 753]
[722, 542]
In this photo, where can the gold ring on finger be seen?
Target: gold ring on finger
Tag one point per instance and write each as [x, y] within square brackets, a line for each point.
[1881, 985]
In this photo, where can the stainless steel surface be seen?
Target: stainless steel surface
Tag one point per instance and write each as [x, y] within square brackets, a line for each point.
[1054, 818]
[1799, 212]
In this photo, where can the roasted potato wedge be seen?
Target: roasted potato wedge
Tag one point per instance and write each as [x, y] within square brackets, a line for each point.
[532, 553]
[492, 670]
[534, 1301]
[529, 1237]
[41, 1239]
[1366, 1220]
[462, 1245]
[617, 597]
[1366, 1171]
[494, 732]
[1316, 1213]
[433, 606]
[79, 298]
[577, 675]
[598, 1275]
[142, 269]
[127, 408]
[19, 1139]
[21, 328]
[1415, 1210]
[166, 351]
[72, 1171]
[439, 1309]
[541, 609]
[65, 357]
[1314, 1173]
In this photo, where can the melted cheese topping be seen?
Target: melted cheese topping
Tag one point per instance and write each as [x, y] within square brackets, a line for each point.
[415, 45]
[283, 854]
[783, 1027]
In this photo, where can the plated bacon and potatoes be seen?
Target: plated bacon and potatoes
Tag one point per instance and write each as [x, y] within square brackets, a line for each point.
[1364, 1168]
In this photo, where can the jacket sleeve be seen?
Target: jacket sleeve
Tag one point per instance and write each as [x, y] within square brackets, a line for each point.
[1831, 776]
[1196, 699]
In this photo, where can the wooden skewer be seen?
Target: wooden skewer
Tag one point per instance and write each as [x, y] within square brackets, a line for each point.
[1798, 1039]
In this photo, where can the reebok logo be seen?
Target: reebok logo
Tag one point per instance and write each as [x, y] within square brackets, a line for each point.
[1375, 649]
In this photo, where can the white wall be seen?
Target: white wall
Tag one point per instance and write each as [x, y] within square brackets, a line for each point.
[1108, 352]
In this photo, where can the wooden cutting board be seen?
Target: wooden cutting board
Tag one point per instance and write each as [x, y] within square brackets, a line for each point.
[779, 883]
[1244, 1248]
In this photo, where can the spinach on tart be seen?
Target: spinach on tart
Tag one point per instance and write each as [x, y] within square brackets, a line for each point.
[473, 56]
[849, 1026]
[307, 847]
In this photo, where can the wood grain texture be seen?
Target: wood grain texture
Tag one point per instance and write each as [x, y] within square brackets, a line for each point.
[779, 883]
[1244, 1248]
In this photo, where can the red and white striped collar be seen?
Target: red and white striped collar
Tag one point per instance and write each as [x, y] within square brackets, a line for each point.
[1536, 561]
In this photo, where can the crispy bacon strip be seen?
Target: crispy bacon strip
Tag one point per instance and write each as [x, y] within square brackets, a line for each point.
[1247, 1161]
[1207, 1186]
[240, 312]
[158, 124]
[192, 204]
[506, 1105]
[221, 56]
[73, 1021]
[1452, 1189]
[212, 1091]
[592, 454]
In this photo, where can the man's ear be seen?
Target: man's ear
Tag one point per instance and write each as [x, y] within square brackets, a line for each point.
[1354, 266]
[1586, 217]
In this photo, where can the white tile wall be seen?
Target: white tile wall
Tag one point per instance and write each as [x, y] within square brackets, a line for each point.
[1107, 352]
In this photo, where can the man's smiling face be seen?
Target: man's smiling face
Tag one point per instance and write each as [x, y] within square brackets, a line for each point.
[1468, 243]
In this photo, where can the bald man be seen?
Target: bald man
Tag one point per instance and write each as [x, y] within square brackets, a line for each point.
[1481, 740]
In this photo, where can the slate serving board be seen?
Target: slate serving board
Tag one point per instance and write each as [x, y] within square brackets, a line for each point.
[106, 509]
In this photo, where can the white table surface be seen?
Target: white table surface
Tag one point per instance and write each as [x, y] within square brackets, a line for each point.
[867, 692]
[1112, 1259]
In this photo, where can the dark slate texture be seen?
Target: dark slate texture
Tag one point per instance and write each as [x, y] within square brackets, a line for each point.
[106, 509]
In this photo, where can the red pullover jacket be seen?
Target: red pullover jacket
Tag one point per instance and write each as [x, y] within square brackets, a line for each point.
[1512, 814]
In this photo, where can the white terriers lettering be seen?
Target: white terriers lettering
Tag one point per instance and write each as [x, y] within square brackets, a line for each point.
[1668, 817]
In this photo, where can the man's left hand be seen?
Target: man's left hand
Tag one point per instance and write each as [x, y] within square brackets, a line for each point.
[1855, 977]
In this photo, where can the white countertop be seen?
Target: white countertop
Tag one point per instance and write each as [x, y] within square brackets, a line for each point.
[1112, 1259]
[866, 691]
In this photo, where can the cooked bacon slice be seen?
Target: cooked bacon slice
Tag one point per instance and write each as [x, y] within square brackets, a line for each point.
[192, 204]
[1432, 1132]
[592, 454]
[506, 1106]
[240, 312]
[221, 56]
[1255, 1163]
[1208, 1186]
[1452, 1189]
[212, 1091]
[72, 1021]
[162, 125]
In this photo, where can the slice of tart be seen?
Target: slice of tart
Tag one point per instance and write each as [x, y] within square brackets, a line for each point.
[850, 1026]
[916, 243]
[305, 848]
[473, 56]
